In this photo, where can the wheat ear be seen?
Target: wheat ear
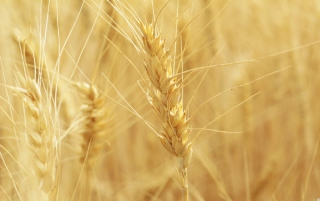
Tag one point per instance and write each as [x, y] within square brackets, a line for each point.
[164, 96]
[40, 137]
[95, 123]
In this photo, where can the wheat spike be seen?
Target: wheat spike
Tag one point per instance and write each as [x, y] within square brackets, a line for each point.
[40, 137]
[165, 98]
[95, 123]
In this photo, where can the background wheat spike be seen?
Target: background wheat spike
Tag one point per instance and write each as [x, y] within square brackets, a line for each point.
[94, 124]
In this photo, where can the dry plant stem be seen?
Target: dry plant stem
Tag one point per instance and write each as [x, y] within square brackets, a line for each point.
[164, 96]
[40, 137]
[95, 123]
[184, 179]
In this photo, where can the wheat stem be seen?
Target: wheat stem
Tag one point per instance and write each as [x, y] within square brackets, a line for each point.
[184, 179]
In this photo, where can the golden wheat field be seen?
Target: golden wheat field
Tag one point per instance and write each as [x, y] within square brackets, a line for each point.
[159, 100]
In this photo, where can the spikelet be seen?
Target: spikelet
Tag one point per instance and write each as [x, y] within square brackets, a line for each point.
[95, 123]
[165, 98]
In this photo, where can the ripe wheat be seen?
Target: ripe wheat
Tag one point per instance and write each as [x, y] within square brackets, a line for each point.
[41, 139]
[165, 98]
[94, 124]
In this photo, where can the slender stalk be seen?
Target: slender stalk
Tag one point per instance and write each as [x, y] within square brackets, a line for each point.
[183, 171]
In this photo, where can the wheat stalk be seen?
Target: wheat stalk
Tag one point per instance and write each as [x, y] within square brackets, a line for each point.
[164, 96]
[40, 137]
